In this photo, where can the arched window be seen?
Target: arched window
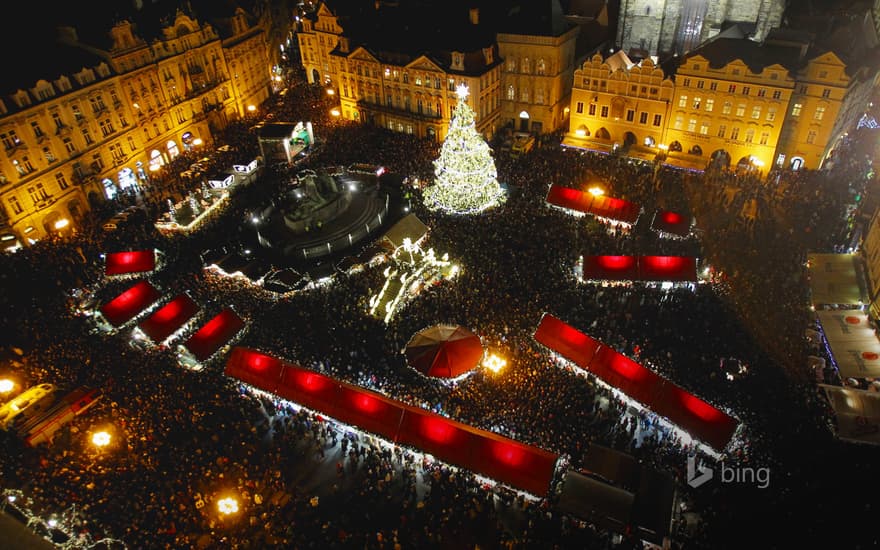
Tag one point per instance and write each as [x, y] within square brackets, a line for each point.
[526, 67]
[540, 67]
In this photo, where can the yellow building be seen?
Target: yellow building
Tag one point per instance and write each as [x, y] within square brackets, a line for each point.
[538, 49]
[614, 101]
[117, 112]
[731, 99]
[402, 91]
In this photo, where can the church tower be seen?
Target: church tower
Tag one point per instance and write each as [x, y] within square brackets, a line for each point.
[678, 26]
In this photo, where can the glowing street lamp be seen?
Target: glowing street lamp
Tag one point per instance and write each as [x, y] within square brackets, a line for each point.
[62, 223]
[663, 147]
[494, 363]
[197, 141]
[596, 191]
[227, 506]
[251, 108]
[6, 385]
[100, 439]
[335, 112]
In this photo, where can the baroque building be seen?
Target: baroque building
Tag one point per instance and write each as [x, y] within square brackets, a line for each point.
[116, 110]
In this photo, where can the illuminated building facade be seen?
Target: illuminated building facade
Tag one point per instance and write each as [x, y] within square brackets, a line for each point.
[117, 111]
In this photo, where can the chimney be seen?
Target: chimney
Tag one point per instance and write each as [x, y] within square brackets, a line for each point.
[475, 16]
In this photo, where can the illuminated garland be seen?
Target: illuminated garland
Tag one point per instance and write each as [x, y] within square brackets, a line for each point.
[466, 181]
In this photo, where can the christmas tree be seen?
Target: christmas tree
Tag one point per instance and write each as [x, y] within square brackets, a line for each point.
[466, 181]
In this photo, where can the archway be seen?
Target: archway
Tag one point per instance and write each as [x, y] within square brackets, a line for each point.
[431, 133]
[75, 210]
[602, 133]
[94, 199]
[629, 138]
[156, 160]
[316, 76]
[721, 158]
[173, 151]
[52, 220]
[582, 131]
[744, 164]
[797, 163]
[649, 142]
[523, 121]
[696, 150]
[675, 146]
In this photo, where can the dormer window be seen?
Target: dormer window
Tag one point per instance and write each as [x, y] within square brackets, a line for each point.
[457, 61]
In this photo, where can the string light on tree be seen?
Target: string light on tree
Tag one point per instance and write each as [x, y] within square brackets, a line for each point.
[465, 180]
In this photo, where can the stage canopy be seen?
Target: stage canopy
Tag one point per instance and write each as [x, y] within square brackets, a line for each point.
[214, 334]
[519, 465]
[854, 346]
[127, 305]
[595, 501]
[703, 421]
[444, 351]
[410, 227]
[168, 318]
[640, 268]
[119, 263]
[667, 221]
[606, 207]
[837, 279]
[857, 413]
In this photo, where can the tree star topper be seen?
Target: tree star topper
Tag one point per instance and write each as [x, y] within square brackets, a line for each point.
[462, 91]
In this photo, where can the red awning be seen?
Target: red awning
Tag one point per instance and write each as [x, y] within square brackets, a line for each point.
[705, 422]
[672, 222]
[127, 305]
[118, 263]
[168, 318]
[611, 268]
[668, 268]
[519, 465]
[606, 207]
[214, 334]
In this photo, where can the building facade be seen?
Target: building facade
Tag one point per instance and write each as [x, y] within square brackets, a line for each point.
[616, 102]
[679, 26]
[85, 136]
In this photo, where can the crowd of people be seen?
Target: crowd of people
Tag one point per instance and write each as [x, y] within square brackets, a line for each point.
[183, 439]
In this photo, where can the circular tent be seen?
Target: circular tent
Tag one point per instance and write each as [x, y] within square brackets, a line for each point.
[444, 351]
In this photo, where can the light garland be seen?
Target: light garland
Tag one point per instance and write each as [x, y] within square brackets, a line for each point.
[466, 180]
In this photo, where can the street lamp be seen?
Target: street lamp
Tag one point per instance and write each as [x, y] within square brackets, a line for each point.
[596, 191]
[6, 385]
[335, 112]
[494, 363]
[62, 223]
[227, 506]
[100, 439]
[251, 108]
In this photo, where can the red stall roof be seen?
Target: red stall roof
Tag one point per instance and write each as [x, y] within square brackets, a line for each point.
[668, 221]
[214, 334]
[127, 305]
[168, 318]
[702, 420]
[668, 268]
[519, 465]
[611, 268]
[581, 201]
[255, 368]
[118, 263]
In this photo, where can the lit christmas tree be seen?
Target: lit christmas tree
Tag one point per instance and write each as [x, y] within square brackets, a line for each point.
[466, 181]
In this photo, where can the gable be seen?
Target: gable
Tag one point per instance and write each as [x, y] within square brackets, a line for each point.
[361, 54]
[422, 63]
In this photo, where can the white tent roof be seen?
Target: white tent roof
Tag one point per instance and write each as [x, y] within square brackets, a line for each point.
[857, 411]
[837, 279]
[853, 342]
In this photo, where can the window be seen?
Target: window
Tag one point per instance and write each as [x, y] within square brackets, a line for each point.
[657, 120]
[735, 71]
[643, 118]
[69, 145]
[418, 80]
[704, 127]
[823, 74]
[811, 137]
[686, 83]
[56, 118]
[692, 125]
[726, 108]
[826, 93]
[697, 101]
[525, 66]
[50, 157]
[579, 109]
[540, 67]
[98, 161]
[436, 83]
[796, 110]
[746, 90]
[61, 181]
[604, 112]
[511, 65]
[131, 144]
[820, 113]
[38, 132]
[630, 115]
[722, 130]
[15, 205]
[756, 112]
[654, 91]
[683, 101]
[106, 127]
[731, 89]
[524, 95]
[699, 84]
[771, 114]
[10, 140]
[713, 86]
[734, 134]
[679, 121]
[539, 96]
[511, 93]
[765, 137]
[592, 109]
[777, 94]
[450, 85]
[750, 135]
[710, 104]
[762, 92]
[741, 110]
